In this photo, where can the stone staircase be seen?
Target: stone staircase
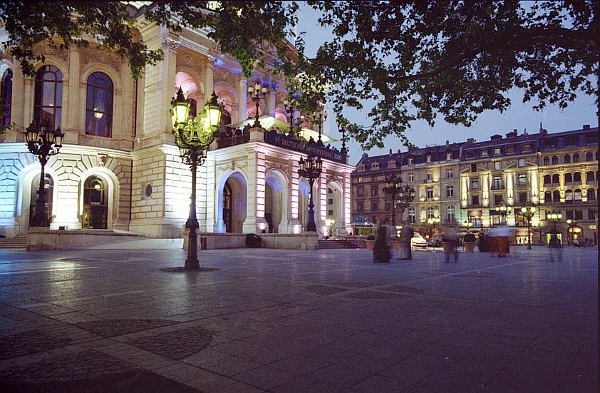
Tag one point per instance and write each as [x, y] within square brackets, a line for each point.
[344, 243]
[19, 241]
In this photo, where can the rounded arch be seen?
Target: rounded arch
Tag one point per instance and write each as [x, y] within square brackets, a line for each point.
[51, 60]
[25, 189]
[227, 95]
[100, 67]
[335, 206]
[276, 201]
[189, 81]
[231, 210]
[112, 183]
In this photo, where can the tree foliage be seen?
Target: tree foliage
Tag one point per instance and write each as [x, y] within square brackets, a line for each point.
[236, 26]
[454, 59]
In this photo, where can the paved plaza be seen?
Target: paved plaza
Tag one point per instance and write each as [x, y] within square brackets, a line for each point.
[259, 320]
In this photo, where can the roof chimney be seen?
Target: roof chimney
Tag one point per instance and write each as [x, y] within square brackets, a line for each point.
[586, 126]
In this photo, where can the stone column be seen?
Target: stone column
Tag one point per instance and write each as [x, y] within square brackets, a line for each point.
[209, 79]
[243, 99]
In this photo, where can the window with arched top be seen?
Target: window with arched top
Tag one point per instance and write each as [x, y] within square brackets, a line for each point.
[547, 179]
[577, 177]
[5, 97]
[589, 176]
[589, 156]
[576, 157]
[569, 196]
[568, 178]
[547, 197]
[556, 196]
[95, 203]
[554, 160]
[567, 159]
[546, 161]
[591, 194]
[48, 95]
[577, 195]
[99, 105]
[555, 179]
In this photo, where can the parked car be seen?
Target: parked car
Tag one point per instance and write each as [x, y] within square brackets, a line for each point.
[418, 241]
[434, 242]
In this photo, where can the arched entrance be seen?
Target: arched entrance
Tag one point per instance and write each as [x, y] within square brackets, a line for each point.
[49, 187]
[232, 204]
[303, 196]
[274, 204]
[575, 235]
[95, 203]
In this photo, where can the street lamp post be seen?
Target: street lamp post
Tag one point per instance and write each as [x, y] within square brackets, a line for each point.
[405, 197]
[290, 107]
[433, 221]
[319, 118]
[193, 137]
[554, 216]
[504, 211]
[343, 149]
[310, 169]
[257, 93]
[393, 187]
[43, 142]
[527, 212]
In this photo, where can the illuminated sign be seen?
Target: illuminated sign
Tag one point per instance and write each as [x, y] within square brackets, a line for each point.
[273, 138]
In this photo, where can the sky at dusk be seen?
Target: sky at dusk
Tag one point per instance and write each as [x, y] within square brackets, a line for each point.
[520, 116]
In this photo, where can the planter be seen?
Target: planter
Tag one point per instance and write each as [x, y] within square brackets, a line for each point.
[469, 246]
[370, 244]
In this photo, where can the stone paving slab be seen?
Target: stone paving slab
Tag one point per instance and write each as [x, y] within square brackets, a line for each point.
[256, 320]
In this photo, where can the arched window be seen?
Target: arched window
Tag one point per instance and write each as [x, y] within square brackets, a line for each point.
[589, 156]
[99, 105]
[554, 160]
[569, 196]
[577, 177]
[577, 195]
[547, 179]
[589, 177]
[547, 197]
[576, 157]
[48, 95]
[5, 97]
[567, 159]
[546, 161]
[555, 179]
[568, 178]
[556, 196]
[591, 194]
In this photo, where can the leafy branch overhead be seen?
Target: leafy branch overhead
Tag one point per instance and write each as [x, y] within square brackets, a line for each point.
[455, 59]
[236, 26]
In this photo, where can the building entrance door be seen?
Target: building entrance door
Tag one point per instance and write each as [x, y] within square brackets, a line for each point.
[95, 203]
[227, 210]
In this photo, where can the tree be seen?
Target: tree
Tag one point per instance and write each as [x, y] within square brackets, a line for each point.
[454, 59]
[236, 26]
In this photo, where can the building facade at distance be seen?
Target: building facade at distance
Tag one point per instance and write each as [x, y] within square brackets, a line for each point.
[485, 184]
[119, 167]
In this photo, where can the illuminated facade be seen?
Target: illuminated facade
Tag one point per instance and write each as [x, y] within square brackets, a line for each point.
[475, 180]
[119, 168]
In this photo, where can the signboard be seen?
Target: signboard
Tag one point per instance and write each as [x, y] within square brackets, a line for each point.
[273, 138]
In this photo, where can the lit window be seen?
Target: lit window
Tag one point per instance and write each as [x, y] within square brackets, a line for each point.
[6, 97]
[48, 95]
[522, 179]
[99, 105]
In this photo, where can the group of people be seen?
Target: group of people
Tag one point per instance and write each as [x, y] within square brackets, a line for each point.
[495, 241]
[382, 251]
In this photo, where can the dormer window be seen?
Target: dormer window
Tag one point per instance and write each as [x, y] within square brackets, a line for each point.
[428, 157]
[410, 161]
[448, 156]
[361, 167]
[391, 164]
[374, 166]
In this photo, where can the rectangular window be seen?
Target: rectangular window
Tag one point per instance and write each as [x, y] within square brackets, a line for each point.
[498, 199]
[330, 213]
[497, 165]
[526, 148]
[522, 179]
[411, 177]
[449, 191]
[484, 153]
[360, 207]
[522, 197]
[449, 174]
[330, 201]
[579, 214]
[475, 184]
[497, 184]
[497, 151]
[521, 162]
[470, 154]
[448, 156]
[473, 167]
[475, 200]
[374, 207]
[430, 194]
[510, 150]
[360, 191]
[374, 191]
[592, 214]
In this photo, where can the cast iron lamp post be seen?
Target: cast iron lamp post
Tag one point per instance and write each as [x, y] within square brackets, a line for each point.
[504, 211]
[393, 187]
[528, 212]
[433, 221]
[405, 197]
[290, 107]
[310, 169]
[319, 118]
[44, 142]
[555, 217]
[467, 224]
[343, 149]
[257, 93]
[193, 137]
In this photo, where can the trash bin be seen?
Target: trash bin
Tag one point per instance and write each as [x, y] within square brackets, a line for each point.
[252, 240]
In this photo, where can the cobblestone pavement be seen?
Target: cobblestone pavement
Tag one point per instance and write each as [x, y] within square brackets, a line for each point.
[254, 320]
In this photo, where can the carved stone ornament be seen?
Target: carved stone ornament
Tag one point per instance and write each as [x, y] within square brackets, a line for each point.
[171, 44]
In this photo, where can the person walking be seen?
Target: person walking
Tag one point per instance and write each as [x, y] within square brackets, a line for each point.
[406, 235]
[450, 244]
[555, 247]
[382, 251]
